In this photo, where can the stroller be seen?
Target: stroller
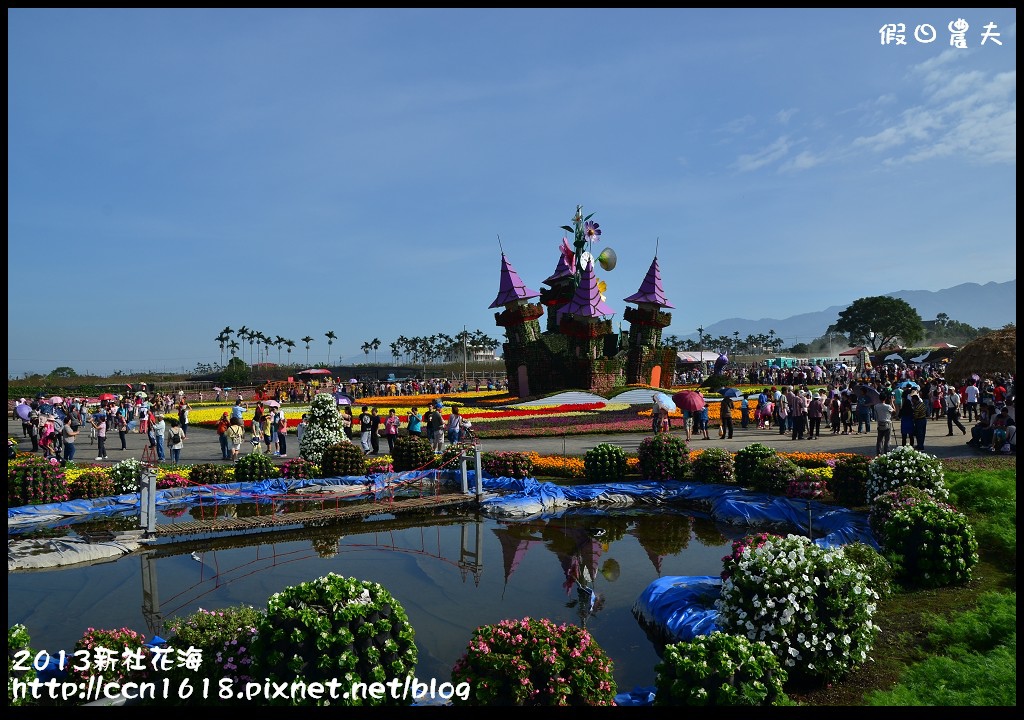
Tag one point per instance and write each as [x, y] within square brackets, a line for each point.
[468, 435]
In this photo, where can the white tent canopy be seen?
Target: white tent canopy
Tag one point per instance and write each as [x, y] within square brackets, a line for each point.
[694, 357]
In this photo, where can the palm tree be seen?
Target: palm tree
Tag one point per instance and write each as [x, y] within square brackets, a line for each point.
[402, 343]
[307, 340]
[289, 344]
[375, 343]
[331, 337]
[279, 341]
[243, 335]
[233, 347]
[394, 351]
[222, 339]
[365, 347]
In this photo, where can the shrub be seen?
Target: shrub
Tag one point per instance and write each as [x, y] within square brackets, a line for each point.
[720, 669]
[806, 488]
[535, 663]
[208, 474]
[905, 466]
[773, 475]
[343, 460]
[746, 460]
[34, 481]
[849, 481]
[18, 639]
[874, 565]
[379, 465]
[886, 504]
[127, 476]
[225, 639]
[605, 463]
[449, 457]
[323, 428]
[663, 457]
[714, 465]
[751, 541]
[171, 480]
[812, 605]
[91, 484]
[118, 642]
[334, 627]
[507, 464]
[412, 453]
[930, 544]
[299, 468]
[253, 467]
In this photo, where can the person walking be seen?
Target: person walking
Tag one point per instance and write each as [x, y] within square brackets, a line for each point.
[906, 416]
[365, 428]
[920, 409]
[236, 435]
[884, 411]
[434, 421]
[346, 421]
[99, 423]
[863, 411]
[815, 411]
[157, 428]
[782, 410]
[726, 413]
[300, 430]
[952, 403]
[744, 412]
[222, 434]
[454, 426]
[391, 423]
[121, 420]
[375, 430]
[69, 432]
[183, 410]
[798, 411]
[414, 423]
[175, 440]
[282, 433]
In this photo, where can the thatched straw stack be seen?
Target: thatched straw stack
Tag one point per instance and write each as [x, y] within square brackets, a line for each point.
[992, 355]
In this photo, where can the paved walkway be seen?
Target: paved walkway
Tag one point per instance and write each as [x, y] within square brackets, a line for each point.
[203, 446]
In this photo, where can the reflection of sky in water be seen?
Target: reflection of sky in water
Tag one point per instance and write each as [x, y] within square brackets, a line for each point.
[420, 567]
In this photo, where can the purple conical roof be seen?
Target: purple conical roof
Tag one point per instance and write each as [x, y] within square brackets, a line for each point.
[511, 288]
[562, 271]
[650, 290]
[587, 301]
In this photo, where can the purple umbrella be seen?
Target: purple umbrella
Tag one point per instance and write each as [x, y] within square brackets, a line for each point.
[23, 410]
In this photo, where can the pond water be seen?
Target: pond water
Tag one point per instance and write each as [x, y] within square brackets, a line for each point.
[451, 571]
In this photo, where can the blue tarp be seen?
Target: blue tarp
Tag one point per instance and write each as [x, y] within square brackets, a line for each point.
[679, 608]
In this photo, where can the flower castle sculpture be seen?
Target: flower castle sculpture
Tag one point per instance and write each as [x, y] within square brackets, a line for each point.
[579, 348]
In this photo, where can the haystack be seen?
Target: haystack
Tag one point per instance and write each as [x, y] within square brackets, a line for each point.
[990, 356]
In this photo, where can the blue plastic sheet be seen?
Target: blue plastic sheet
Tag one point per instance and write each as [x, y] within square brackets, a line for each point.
[679, 608]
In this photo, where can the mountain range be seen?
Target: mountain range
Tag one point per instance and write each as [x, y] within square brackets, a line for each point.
[991, 305]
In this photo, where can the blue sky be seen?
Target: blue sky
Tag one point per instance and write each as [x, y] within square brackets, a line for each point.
[172, 172]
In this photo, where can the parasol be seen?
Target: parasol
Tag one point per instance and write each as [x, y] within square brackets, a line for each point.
[56, 400]
[216, 388]
[23, 410]
[908, 384]
[272, 403]
[141, 394]
[314, 371]
[730, 392]
[664, 401]
[689, 400]
[108, 396]
[873, 396]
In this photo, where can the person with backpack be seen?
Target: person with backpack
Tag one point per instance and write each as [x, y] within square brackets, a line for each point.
[69, 433]
[175, 440]
[236, 434]
[222, 435]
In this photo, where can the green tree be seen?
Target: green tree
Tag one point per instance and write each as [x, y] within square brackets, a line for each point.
[236, 373]
[879, 322]
[64, 371]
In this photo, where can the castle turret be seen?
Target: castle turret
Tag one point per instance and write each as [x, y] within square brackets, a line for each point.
[520, 320]
[648, 362]
[582, 319]
[561, 285]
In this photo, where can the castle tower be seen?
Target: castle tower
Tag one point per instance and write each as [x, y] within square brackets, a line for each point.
[520, 320]
[560, 289]
[648, 362]
[582, 319]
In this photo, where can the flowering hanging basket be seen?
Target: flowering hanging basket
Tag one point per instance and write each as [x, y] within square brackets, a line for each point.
[518, 315]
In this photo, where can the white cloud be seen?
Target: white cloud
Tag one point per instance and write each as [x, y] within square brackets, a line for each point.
[784, 116]
[773, 153]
